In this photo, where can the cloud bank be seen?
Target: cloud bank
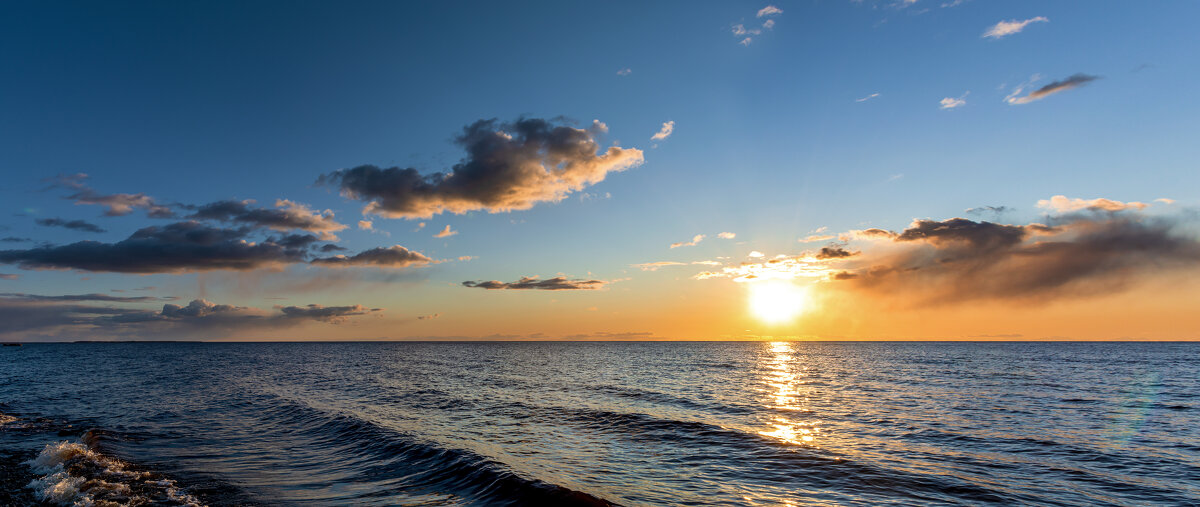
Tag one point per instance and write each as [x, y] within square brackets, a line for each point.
[533, 283]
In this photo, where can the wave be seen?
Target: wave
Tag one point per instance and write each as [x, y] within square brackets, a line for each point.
[75, 474]
[413, 466]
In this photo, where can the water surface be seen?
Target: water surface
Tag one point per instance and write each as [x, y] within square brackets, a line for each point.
[593, 423]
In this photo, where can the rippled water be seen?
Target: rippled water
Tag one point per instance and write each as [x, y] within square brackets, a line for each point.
[591, 423]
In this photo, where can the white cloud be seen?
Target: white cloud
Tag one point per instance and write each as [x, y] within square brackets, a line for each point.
[815, 237]
[746, 41]
[445, 233]
[769, 10]
[756, 254]
[726, 235]
[366, 225]
[667, 129]
[625, 72]
[1006, 28]
[1063, 204]
[769, 24]
[868, 97]
[951, 103]
[695, 239]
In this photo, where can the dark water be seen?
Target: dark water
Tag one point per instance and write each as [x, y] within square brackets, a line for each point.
[591, 423]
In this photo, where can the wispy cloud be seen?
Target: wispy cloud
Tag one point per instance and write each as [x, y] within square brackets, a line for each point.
[1006, 28]
[664, 132]
[534, 283]
[394, 256]
[445, 232]
[769, 10]
[625, 72]
[952, 103]
[509, 166]
[1069, 83]
[286, 216]
[868, 97]
[1063, 204]
[726, 235]
[695, 239]
[78, 225]
[117, 204]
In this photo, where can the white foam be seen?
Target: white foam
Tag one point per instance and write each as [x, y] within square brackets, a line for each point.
[61, 464]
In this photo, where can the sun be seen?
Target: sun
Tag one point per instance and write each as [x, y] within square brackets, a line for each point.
[777, 301]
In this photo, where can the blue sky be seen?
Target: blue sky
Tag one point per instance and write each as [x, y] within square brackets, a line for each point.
[199, 102]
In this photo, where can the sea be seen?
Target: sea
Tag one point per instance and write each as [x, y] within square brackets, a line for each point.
[614, 423]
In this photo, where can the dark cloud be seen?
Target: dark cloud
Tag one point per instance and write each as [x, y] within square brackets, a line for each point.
[995, 210]
[330, 247]
[117, 204]
[981, 235]
[14, 239]
[62, 316]
[79, 297]
[959, 259]
[7, 276]
[509, 166]
[334, 314]
[78, 225]
[532, 282]
[1074, 81]
[834, 252]
[391, 257]
[286, 216]
[175, 248]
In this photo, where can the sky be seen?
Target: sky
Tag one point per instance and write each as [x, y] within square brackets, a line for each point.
[835, 170]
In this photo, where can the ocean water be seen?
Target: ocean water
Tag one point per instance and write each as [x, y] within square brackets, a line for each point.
[598, 423]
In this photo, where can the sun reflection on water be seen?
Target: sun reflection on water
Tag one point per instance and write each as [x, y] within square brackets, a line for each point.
[783, 380]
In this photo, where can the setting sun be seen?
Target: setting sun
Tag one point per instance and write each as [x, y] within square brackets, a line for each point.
[777, 301]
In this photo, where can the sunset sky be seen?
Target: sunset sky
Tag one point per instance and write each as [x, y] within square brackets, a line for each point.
[910, 169]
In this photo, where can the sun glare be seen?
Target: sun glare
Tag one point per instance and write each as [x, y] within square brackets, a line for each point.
[777, 301]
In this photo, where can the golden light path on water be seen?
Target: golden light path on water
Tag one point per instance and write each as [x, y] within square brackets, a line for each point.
[782, 380]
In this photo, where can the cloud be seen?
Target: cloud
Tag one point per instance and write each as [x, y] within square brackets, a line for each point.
[509, 166]
[769, 10]
[429, 317]
[664, 132]
[1006, 28]
[394, 256]
[14, 239]
[726, 235]
[332, 314]
[56, 316]
[78, 225]
[769, 24]
[868, 97]
[366, 225]
[80, 297]
[746, 41]
[951, 103]
[834, 252]
[117, 204]
[287, 216]
[695, 239]
[533, 283]
[740, 30]
[959, 260]
[1069, 83]
[445, 233]
[625, 72]
[8, 276]
[812, 238]
[995, 210]
[175, 248]
[1165, 200]
[1062, 204]
[653, 266]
